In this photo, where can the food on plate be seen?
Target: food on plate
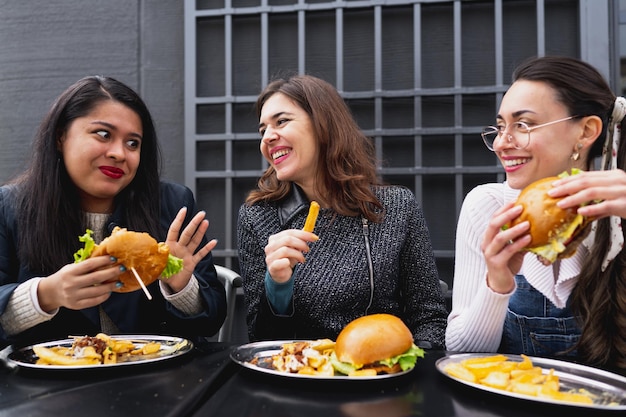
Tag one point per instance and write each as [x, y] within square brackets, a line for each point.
[555, 233]
[368, 346]
[305, 357]
[87, 350]
[521, 377]
[311, 218]
[375, 344]
[149, 258]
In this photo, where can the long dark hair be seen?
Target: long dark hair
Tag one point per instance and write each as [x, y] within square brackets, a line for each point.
[347, 163]
[48, 207]
[599, 298]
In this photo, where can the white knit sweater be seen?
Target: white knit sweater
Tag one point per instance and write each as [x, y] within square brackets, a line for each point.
[477, 317]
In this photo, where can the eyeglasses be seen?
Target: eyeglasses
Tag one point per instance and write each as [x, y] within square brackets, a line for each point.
[519, 133]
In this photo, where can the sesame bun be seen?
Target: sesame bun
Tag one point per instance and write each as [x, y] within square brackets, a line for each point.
[135, 250]
[372, 338]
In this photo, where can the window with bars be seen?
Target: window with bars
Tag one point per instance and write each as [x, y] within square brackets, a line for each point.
[421, 77]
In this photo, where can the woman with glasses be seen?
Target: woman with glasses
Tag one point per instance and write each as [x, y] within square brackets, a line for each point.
[558, 114]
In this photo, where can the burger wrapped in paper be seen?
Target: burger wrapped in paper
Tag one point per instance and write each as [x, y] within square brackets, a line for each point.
[138, 250]
[555, 233]
[375, 344]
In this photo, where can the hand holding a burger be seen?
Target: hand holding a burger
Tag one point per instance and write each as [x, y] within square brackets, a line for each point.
[104, 268]
[555, 213]
[502, 249]
[80, 285]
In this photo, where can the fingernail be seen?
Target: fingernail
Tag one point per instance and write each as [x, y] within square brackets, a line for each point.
[118, 284]
[113, 259]
[122, 268]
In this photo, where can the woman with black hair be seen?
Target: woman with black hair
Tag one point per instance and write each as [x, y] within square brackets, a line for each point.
[96, 165]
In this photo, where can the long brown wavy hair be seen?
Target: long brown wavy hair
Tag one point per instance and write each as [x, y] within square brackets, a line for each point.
[346, 159]
[599, 298]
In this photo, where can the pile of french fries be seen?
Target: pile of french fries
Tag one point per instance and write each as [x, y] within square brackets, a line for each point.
[117, 350]
[497, 371]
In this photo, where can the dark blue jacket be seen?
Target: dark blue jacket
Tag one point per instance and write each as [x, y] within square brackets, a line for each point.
[132, 312]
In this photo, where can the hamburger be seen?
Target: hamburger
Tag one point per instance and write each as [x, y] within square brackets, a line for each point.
[138, 250]
[555, 233]
[375, 344]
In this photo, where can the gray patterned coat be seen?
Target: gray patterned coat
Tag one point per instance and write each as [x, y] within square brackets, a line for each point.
[332, 287]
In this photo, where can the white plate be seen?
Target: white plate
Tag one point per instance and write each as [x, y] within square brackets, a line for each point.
[265, 350]
[610, 388]
[171, 347]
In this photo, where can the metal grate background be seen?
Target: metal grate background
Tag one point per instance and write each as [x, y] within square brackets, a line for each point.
[421, 77]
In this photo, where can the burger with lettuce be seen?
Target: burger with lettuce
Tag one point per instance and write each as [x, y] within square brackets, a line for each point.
[138, 250]
[555, 233]
[375, 344]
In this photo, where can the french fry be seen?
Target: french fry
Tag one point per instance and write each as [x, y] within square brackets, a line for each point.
[147, 349]
[496, 379]
[109, 357]
[311, 218]
[457, 370]
[322, 345]
[50, 357]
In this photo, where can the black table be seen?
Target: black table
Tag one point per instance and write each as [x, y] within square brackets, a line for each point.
[206, 382]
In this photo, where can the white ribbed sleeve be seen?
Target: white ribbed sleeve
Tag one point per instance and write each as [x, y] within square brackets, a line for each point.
[475, 322]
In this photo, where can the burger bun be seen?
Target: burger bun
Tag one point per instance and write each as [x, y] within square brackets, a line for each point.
[552, 233]
[136, 250]
[373, 338]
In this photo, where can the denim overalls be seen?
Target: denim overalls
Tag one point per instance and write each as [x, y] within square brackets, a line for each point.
[535, 326]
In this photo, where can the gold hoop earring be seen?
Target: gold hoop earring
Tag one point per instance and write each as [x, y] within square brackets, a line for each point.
[576, 155]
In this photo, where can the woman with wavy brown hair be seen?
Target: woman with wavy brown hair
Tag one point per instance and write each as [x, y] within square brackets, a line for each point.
[371, 250]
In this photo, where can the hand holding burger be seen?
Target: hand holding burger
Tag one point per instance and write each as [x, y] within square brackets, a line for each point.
[137, 250]
[555, 233]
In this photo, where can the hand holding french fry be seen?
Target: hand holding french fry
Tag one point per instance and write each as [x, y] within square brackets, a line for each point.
[286, 249]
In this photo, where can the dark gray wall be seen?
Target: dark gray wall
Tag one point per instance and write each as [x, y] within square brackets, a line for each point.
[46, 45]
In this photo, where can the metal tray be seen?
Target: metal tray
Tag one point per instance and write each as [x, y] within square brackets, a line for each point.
[609, 388]
[171, 347]
[263, 350]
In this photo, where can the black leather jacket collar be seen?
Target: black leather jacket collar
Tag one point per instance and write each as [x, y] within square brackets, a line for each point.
[292, 204]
